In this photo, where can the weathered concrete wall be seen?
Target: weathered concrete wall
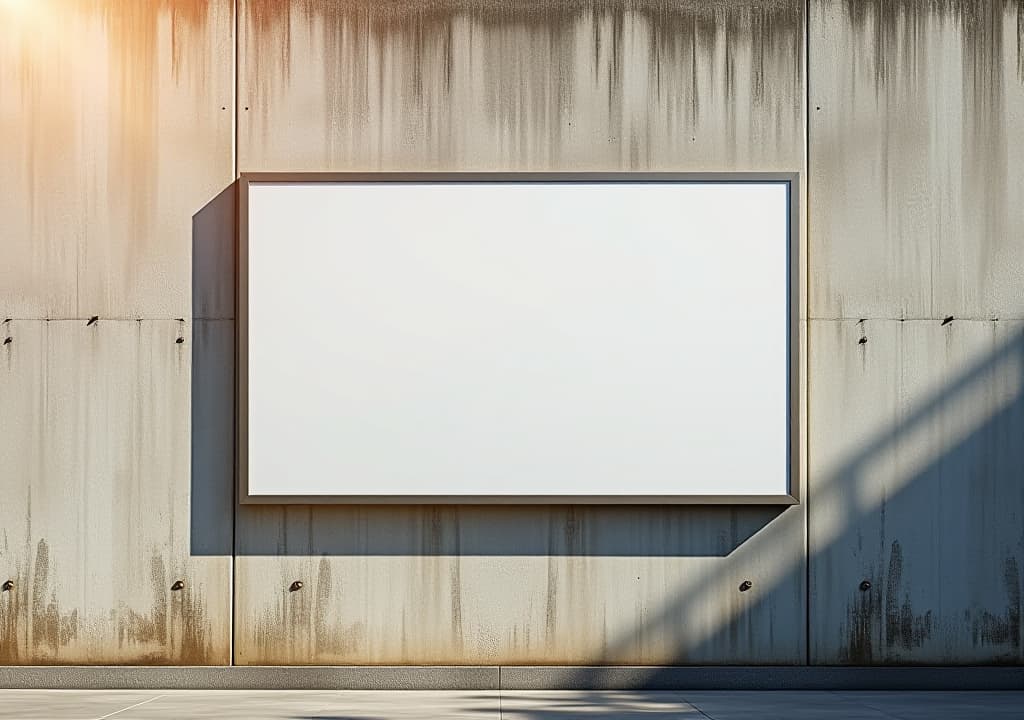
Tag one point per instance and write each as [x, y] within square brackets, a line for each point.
[115, 439]
[116, 126]
[916, 241]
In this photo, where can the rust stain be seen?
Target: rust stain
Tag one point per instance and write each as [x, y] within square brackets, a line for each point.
[902, 626]
[296, 622]
[551, 590]
[882, 626]
[300, 643]
[135, 628]
[51, 629]
[990, 629]
[880, 622]
[323, 602]
[332, 638]
[860, 627]
[12, 604]
[286, 629]
[455, 591]
[175, 630]
[9, 606]
[189, 629]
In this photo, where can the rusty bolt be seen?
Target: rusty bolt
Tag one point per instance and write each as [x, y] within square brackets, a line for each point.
[178, 585]
[8, 585]
[746, 585]
[297, 585]
[865, 585]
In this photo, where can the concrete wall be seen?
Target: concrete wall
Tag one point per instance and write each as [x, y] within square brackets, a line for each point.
[916, 236]
[116, 125]
[903, 119]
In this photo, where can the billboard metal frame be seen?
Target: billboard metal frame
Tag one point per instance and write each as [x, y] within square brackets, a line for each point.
[794, 283]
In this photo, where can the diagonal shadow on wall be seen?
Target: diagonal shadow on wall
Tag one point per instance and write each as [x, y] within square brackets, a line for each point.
[981, 408]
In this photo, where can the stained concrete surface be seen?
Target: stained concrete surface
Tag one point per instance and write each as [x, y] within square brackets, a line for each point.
[125, 118]
[515, 705]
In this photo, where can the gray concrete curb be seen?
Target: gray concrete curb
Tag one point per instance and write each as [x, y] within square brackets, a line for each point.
[493, 677]
[251, 678]
[762, 678]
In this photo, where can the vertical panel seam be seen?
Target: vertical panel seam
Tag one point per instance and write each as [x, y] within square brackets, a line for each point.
[807, 334]
[234, 99]
[234, 381]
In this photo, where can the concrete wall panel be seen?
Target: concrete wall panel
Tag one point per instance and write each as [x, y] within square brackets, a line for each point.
[916, 428]
[117, 119]
[571, 85]
[95, 518]
[916, 164]
[916, 488]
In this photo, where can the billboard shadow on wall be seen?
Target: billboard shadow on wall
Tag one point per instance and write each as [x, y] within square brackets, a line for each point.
[400, 530]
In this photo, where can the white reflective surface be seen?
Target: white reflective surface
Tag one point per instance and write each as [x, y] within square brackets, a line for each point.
[518, 339]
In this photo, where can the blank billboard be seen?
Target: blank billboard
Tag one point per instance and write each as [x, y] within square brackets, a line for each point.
[504, 338]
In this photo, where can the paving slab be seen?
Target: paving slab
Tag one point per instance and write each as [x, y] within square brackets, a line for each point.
[231, 705]
[569, 704]
[781, 705]
[942, 705]
[68, 704]
[319, 705]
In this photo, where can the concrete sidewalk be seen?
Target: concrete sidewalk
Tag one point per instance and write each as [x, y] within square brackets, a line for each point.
[505, 705]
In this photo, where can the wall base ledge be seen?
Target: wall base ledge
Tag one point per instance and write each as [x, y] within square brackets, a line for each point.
[493, 677]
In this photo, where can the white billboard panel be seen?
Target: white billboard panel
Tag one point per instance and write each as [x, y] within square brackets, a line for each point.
[516, 339]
